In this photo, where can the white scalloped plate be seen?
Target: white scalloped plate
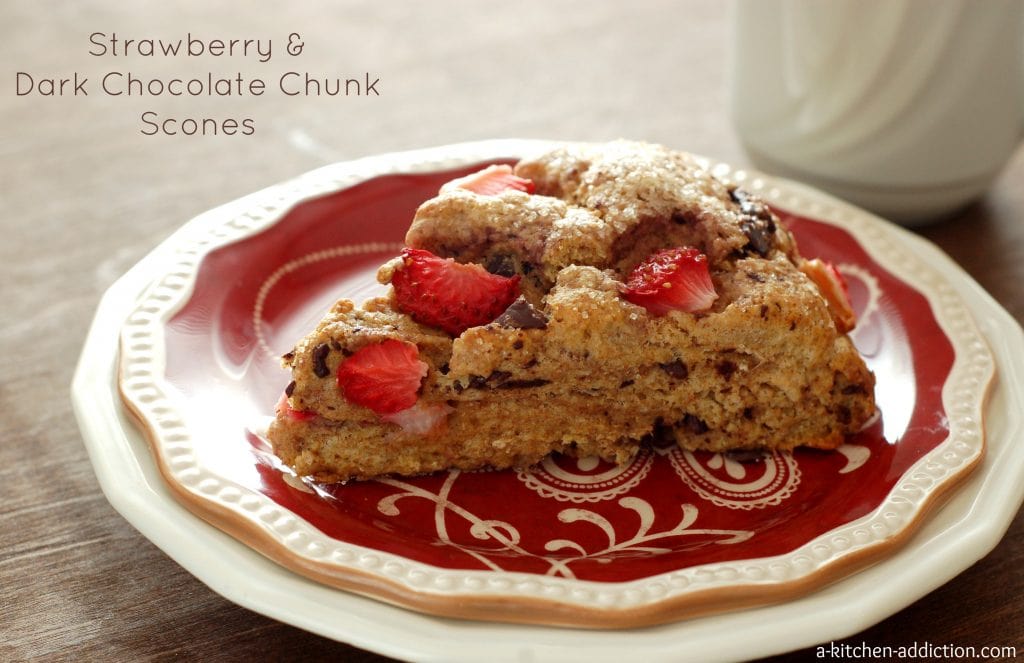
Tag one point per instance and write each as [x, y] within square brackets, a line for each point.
[171, 267]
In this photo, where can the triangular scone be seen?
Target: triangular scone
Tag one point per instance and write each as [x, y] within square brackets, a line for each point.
[573, 366]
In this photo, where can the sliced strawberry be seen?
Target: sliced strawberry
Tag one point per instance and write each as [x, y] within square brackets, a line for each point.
[420, 419]
[672, 280]
[384, 377]
[833, 288]
[449, 295]
[285, 408]
[491, 181]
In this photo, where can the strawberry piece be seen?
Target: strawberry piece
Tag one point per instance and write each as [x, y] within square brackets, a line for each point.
[491, 181]
[285, 408]
[833, 288]
[384, 377]
[449, 295]
[420, 419]
[672, 280]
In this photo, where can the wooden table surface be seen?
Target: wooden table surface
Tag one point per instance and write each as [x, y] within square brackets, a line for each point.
[86, 195]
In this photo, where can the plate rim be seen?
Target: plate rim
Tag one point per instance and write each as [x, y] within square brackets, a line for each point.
[291, 541]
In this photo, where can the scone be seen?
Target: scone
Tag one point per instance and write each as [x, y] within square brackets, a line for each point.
[596, 296]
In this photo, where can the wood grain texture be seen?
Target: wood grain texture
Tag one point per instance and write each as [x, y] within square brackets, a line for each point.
[85, 196]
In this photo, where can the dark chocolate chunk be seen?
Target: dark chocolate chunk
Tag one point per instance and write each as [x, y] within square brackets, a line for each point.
[290, 389]
[501, 265]
[518, 345]
[844, 415]
[320, 353]
[625, 383]
[726, 368]
[750, 205]
[521, 315]
[499, 380]
[757, 224]
[523, 384]
[443, 369]
[748, 413]
[498, 377]
[693, 424]
[759, 234]
[675, 368]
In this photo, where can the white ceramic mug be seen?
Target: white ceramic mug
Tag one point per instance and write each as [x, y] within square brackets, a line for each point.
[909, 108]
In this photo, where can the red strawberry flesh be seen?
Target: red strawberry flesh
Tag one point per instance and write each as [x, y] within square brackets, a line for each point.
[439, 292]
[672, 280]
[834, 289]
[491, 181]
[384, 377]
[285, 408]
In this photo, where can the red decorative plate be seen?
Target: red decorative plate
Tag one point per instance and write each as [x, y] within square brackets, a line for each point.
[574, 542]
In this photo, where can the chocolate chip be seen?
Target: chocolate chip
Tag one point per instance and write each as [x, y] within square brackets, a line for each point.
[518, 345]
[625, 383]
[443, 369]
[498, 377]
[843, 415]
[748, 413]
[523, 384]
[726, 368]
[750, 205]
[320, 353]
[521, 315]
[501, 265]
[675, 368]
[760, 235]
[764, 311]
[290, 389]
[757, 224]
[499, 380]
[693, 424]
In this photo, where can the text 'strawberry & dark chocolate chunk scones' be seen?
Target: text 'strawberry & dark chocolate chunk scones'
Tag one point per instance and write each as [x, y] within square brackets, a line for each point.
[577, 304]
